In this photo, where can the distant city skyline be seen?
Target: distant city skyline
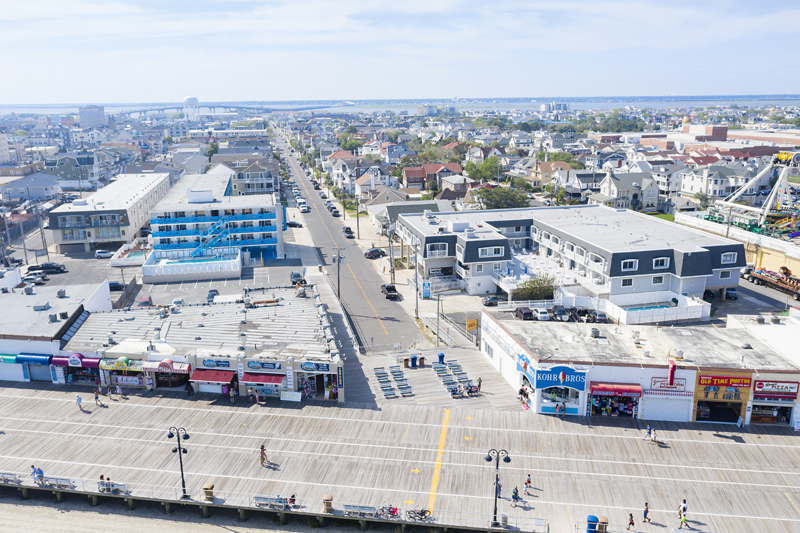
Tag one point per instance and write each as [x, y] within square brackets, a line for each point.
[70, 51]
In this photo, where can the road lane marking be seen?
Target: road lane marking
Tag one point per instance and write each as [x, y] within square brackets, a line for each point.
[438, 467]
[367, 299]
[792, 502]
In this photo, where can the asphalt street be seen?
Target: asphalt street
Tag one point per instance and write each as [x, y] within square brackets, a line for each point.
[378, 321]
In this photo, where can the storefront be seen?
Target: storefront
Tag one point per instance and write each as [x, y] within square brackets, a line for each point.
[215, 381]
[124, 372]
[75, 370]
[721, 396]
[167, 374]
[773, 402]
[667, 400]
[317, 381]
[10, 370]
[614, 399]
[38, 366]
[558, 385]
[266, 378]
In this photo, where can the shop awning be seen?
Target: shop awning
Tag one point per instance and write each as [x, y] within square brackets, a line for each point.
[8, 359]
[167, 367]
[33, 359]
[90, 363]
[775, 395]
[207, 375]
[121, 363]
[257, 377]
[60, 361]
[669, 393]
[631, 390]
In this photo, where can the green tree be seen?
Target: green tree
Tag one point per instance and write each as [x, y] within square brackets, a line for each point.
[701, 197]
[393, 135]
[168, 140]
[347, 142]
[213, 148]
[500, 198]
[20, 133]
[542, 287]
[351, 129]
[431, 185]
[490, 169]
[521, 183]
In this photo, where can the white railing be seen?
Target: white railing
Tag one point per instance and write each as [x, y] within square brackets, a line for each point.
[687, 309]
[532, 304]
[437, 253]
[233, 265]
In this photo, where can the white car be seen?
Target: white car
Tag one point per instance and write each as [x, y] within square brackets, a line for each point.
[540, 314]
[103, 254]
[177, 301]
[531, 196]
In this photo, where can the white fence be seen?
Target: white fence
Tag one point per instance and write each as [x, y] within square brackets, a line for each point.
[688, 309]
[118, 261]
[231, 268]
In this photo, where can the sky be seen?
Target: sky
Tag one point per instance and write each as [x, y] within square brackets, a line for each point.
[70, 51]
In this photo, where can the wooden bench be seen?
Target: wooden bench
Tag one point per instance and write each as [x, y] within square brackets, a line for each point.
[59, 482]
[389, 394]
[113, 488]
[360, 510]
[9, 477]
[463, 379]
[378, 369]
[406, 392]
[276, 504]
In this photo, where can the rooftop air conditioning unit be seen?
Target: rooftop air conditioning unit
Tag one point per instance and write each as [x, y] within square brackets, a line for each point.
[63, 315]
[28, 290]
[53, 318]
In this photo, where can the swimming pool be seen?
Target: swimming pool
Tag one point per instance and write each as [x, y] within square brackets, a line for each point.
[136, 253]
[204, 260]
[648, 308]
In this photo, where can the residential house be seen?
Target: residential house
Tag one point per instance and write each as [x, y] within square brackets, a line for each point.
[338, 155]
[75, 170]
[718, 182]
[634, 190]
[419, 176]
[374, 177]
[544, 171]
[38, 187]
[386, 195]
[480, 154]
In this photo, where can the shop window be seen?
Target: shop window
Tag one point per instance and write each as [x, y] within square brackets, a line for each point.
[560, 395]
[627, 282]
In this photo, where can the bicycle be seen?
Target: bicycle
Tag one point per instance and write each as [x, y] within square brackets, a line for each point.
[387, 511]
[418, 515]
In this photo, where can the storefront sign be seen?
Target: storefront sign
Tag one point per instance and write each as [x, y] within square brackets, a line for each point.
[426, 289]
[165, 367]
[784, 387]
[724, 381]
[340, 376]
[75, 360]
[256, 365]
[289, 377]
[212, 363]
[561, 376]
[472, 324]
[678, 384]
[240, 371]
[291, 396]
[320, 367]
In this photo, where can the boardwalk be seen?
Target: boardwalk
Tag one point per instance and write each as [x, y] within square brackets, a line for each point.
[414, 454]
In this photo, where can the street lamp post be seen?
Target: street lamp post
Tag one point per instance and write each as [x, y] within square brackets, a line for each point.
[496, 455]
[178, 432]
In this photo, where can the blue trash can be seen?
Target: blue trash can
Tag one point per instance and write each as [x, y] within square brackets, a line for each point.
[591, 523]
[413, 361]
[441, 358]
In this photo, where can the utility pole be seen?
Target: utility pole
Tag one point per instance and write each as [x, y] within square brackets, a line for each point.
[39, 220]
[391, 256]
[416, 279]
[358, 227]
[438, 299]
[339, 258]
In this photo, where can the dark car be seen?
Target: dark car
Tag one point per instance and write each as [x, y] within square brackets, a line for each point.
[490, 301]
[116, 285]
[374, 253]
[559, 313]
[524, 313]
[293, 224]
[390, 291]
[297, 277]
[335, 212]
[323, 195]
[50, 268]
[316, 186]
[708, 294]
[348, 232]
[211, 294]
[731, 293]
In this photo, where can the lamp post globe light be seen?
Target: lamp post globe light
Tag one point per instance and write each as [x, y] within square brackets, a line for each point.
[180, 432]
[496, 455]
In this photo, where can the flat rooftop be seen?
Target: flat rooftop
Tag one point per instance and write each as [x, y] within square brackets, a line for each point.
[215, 180]
[703, 347]
[615, 230]
[121, 193]
[289, 329]
[29, 314]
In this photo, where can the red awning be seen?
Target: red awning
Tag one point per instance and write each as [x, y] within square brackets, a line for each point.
[256, 377]
[212, 376]
[631, 390]
[59, 361]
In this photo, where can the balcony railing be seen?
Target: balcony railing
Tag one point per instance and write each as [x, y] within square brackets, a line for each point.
[437, 253]
[221, 244]
[73, 237]
[517, 234]
[194, 232]
[194, 220]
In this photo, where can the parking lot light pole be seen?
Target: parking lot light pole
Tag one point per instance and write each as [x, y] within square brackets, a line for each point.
[178, 432]
[496, 455]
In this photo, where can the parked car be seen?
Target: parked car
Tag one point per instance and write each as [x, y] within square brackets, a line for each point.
[103, 254]
[296, 278]
[599, 317]
[540, 313]
[524, 313]
[33, 279]
[560, 314]
[335, 212]
[348, 232]
[177, 301]
[316, 186]
[374, 253]
[13, 261]
[389, 291]
[211, 294]
[304, 209]
[146, 301]
[531, 196]
[491, 301]
[293, 224]
[708, 294]
[323, 195]
[116, 285]
[50, 268]
[731, 293]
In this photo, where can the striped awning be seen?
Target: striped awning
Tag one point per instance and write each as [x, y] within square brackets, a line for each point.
[670, 393]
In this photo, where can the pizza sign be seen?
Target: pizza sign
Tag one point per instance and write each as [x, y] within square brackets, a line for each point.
[777, 386]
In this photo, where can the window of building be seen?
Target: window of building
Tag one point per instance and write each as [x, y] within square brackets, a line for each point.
[560, 395]
[488, 349]
[728, 257]
[627, 282]
[490, 252]
[658, 280]
[497, 267]
[570, 247]
[478, 268]
[661, 262]
[580, 251]
[555, 240]
[630, 264]
[459, 249]
[437, 249]
[724, 274]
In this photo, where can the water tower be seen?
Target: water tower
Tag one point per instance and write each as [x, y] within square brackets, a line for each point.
[191, 109]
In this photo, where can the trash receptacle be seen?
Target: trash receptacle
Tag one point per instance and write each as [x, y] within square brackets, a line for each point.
[602, 523]
[327, 503]
[441, 358]
[413, 361]
[504, 520]
[421, 361]
[225, 389]
[591, 523]
[208, 491]
[405, 362]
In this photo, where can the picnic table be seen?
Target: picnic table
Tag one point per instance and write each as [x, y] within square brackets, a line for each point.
[277, 504]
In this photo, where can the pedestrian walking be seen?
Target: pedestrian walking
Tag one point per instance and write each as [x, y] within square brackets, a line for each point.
[99, 389]
[479, 384]
[258, 398]
[654, 438]
[558, 409]
[683, 521]
[250, 397]
[646, 512]
[97, 397]
[684, 508]
[527, 484]
[39, 476]
[514, 497]
[78, 402]
[263, 455]
[499, 489]
[630, 522]
[232, 394]
[33, 473]
[119, 391]
[111, 393]
[189, 389]
[563, 409]
[649, 431]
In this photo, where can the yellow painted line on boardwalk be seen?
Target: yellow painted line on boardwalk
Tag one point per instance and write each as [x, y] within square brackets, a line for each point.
[792, 502]
[367, 299]
[438, 467]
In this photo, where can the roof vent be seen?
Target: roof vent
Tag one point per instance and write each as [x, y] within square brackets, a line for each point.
[759, 318]
[776, 320]
[63, 315]
[61, 293]
[679, 355]
[53, 318]
[28, 290]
